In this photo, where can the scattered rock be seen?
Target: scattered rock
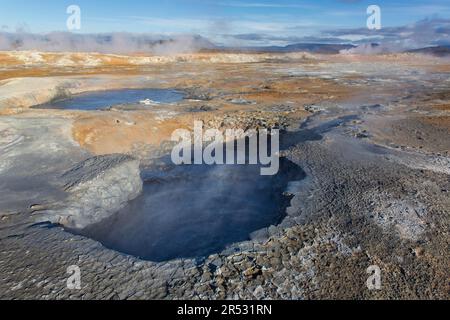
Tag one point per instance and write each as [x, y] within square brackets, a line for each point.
[252, 272]
[259, 293]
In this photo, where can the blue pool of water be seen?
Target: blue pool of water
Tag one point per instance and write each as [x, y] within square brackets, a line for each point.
[100, 100]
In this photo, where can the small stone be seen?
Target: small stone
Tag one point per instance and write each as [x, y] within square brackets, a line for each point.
[259, 293]
[237, 258]
[252, 272]
[206, 276]
[419, 251]
[225, 271]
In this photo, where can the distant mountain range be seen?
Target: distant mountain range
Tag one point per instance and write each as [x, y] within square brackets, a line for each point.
[163, 45]
[439, 51]
[299, 47]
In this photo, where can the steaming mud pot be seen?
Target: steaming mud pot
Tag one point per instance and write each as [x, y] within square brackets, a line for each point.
[195, 210]
[105, 99]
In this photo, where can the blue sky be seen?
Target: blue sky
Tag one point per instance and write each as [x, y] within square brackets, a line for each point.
[218, 20]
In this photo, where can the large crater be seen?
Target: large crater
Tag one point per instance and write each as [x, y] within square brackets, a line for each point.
[196, 210]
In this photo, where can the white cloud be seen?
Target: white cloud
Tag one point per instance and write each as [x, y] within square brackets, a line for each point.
[241, 4]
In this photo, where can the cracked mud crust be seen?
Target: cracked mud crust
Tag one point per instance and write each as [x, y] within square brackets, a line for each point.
[371, 134]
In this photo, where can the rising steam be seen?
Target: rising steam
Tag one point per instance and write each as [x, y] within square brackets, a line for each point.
[103, 43]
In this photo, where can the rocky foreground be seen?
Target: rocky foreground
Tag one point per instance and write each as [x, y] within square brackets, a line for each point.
[370, 133]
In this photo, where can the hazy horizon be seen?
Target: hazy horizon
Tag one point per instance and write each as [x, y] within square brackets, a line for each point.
[238, 23]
